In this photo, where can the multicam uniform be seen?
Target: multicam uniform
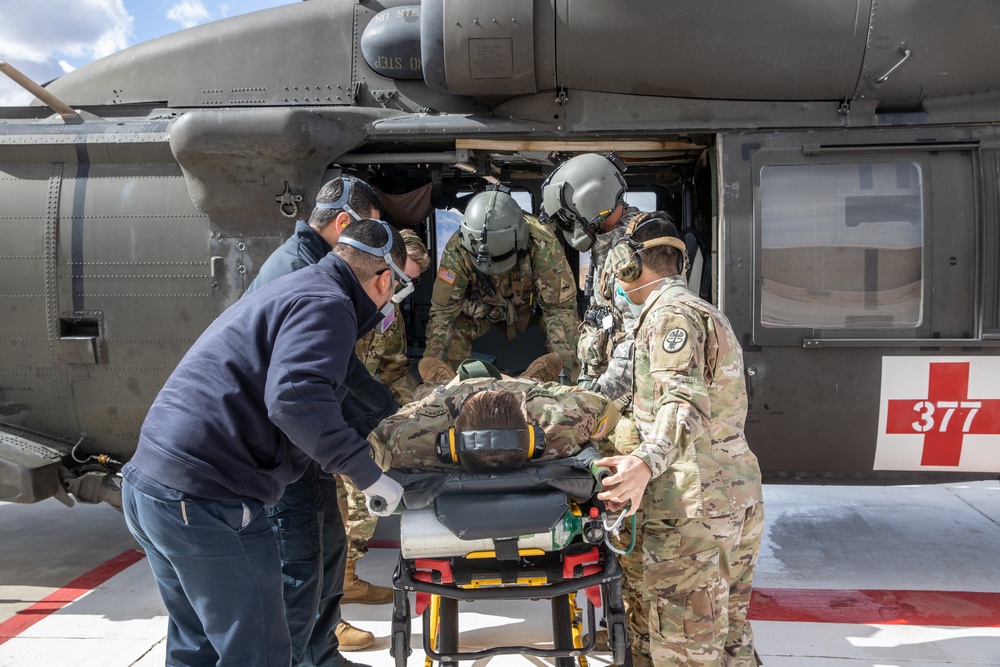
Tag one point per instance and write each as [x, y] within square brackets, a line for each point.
[701, 520]
[569, 417]
[605, 346]
[466, 303]
[384, 355]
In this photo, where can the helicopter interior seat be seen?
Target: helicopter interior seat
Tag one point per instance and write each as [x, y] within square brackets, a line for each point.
[699, 273]
[535, 533]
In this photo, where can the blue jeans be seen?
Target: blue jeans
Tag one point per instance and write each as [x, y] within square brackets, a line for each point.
[216, 568]
[313, 547]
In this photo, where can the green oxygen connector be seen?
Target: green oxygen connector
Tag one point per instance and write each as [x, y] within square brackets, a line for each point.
[600, 473]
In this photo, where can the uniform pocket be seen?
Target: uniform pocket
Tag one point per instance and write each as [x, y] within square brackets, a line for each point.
[298, 533]
[686, 598]
[593, 344]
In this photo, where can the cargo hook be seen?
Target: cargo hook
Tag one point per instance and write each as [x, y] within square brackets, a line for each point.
[288, 202]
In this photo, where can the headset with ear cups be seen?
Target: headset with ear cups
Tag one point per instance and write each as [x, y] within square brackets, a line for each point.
[451, 443]
[626, 262]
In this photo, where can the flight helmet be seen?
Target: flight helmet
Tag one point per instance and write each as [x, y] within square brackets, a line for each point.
[493, 231]
[583, 192]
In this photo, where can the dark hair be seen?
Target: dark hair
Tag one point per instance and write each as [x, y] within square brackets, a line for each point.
[661, 260]
[493, 410]
[363, 200]
[371, 233]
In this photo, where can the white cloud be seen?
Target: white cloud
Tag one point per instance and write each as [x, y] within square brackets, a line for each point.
[12, 95]
[43, 37]
[188, 13]
[40, 31]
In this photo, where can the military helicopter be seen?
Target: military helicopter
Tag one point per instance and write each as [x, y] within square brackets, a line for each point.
[839, 159]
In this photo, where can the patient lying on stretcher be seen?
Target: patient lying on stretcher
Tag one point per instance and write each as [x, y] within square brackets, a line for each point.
[515, 419]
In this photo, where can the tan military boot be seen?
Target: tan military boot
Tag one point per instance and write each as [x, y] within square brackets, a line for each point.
[435, 371]
[545, 368]
[359, 591]
[352, 638]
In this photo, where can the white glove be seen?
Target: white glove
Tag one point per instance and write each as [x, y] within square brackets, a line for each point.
[383, 496]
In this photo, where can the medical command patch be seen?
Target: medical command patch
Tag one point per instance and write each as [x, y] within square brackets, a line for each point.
[675, 340]
[446, 275]
[672, 352]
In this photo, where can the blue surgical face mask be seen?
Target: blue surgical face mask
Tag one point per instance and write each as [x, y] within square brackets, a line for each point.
[636, 308]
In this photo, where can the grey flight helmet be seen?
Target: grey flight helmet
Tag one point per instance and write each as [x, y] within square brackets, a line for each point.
[581, 193]
[493, 231]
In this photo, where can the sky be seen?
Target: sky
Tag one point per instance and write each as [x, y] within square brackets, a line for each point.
[47, 38]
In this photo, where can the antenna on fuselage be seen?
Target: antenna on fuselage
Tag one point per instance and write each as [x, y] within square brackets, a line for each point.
[44, 96]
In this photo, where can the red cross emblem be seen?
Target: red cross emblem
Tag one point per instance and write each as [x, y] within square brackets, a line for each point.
[946, 416]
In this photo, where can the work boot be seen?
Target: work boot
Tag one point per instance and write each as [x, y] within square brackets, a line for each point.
[340, 661]
[435, 371]
[359, 591]
[545, 368]
[352, 638]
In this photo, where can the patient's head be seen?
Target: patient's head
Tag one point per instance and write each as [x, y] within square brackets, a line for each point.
[487, 410]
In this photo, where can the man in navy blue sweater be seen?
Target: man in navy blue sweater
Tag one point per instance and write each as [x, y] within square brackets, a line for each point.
[254, 400]
[306, 520]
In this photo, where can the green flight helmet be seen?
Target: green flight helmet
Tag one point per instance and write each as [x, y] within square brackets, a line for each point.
[493, 231]
[583, 192]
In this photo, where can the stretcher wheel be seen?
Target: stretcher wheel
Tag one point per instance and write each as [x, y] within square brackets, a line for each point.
[619, 645]
[400, 650]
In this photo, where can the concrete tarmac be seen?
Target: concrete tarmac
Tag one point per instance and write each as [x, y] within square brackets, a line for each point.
[849, 576]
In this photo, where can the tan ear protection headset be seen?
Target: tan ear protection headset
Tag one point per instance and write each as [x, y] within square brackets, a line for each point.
[451, 443]
[626, 262]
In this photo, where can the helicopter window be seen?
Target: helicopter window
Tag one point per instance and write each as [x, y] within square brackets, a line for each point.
[841, 245]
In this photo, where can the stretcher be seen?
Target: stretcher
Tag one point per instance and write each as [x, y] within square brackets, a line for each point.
[536, 533]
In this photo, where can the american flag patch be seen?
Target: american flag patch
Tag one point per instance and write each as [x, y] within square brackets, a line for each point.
[446, 275]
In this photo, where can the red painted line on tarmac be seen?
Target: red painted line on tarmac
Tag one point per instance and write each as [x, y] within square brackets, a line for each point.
[71, 592]
[882, 607]
[863, 607]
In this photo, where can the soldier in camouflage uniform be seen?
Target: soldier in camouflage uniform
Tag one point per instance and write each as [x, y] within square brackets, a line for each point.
[607, 333]
[384, 355]
[685, 467]
[585, 198]
[502, 268]
[569, 417]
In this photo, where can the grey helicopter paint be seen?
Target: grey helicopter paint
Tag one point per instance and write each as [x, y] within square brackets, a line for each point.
[839, 160]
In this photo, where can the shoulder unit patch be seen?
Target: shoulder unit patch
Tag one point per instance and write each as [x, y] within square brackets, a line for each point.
[566, 289]
[675, 340]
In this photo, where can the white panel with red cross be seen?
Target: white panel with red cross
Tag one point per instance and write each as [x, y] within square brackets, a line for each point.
[939, 413]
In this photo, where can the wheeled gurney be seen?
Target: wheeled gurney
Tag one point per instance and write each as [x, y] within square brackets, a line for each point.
[535, 533]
